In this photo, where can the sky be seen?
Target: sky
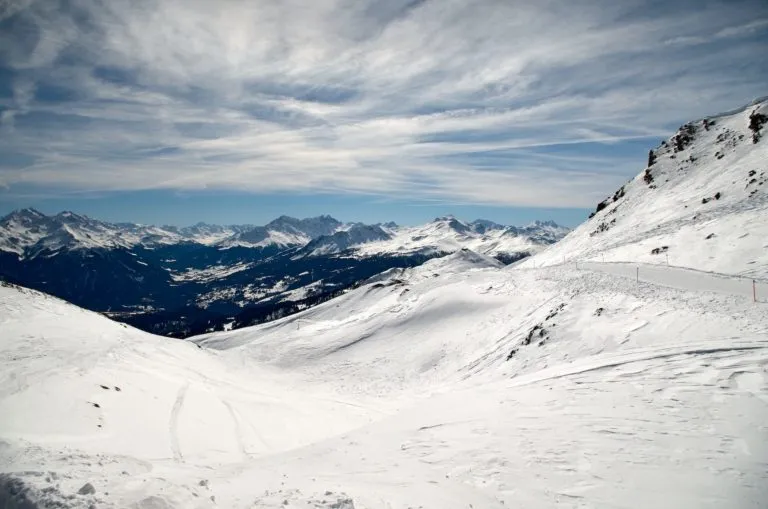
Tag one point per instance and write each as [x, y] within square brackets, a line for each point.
[234, 111]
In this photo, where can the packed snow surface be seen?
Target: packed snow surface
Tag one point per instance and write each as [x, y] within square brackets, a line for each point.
[400, 394]
[593, 375]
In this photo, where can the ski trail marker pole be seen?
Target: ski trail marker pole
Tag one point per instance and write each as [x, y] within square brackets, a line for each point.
[637, 274]
[754, 290]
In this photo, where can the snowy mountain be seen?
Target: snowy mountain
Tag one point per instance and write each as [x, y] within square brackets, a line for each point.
[343, 240]
[285, 232]
[180, 281]
[443, 235]
[452, 384]
[701, 202]
[29, 233]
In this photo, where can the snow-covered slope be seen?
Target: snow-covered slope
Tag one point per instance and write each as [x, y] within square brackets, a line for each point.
[484, 386]
[114, 406]
[451, 385]
[702, 203]
[354, 235]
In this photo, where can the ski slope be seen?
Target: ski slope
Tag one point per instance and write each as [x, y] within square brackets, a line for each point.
[394, 398]
[561, 381]
[683, 278]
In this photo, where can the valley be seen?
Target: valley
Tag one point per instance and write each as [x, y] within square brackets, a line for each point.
[623, 366]
[181, 282]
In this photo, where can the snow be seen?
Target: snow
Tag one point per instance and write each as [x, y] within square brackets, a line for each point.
[685, 278]
[273, 237]
[397, 399]
[174, 396]
[673, 214]
[212, 273]
[284, 232]
[302, 292]
[204, 300]
[562, 381]
[28, 232]
[447, 235]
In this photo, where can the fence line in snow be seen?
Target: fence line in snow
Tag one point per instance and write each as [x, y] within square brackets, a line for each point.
[727, 282]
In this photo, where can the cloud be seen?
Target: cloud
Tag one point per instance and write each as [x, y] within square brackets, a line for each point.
[10, 7]
[492, 102]
[741, 30]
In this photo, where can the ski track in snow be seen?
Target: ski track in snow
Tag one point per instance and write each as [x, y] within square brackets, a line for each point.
[238, 431]
[674, 421]
[615, 361]
[173, 423]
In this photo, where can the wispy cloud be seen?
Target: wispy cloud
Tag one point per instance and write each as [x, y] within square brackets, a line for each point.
[467, 101]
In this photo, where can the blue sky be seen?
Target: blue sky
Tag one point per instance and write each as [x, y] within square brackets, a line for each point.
[178, 111]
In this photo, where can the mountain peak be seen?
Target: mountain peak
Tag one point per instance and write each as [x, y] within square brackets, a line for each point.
[486, 222]
[283, 218]
[549, 223]
[450, 221]
[69, 216]
[28, 213]
[698, 199]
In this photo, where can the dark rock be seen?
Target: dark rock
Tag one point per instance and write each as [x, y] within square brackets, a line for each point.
[756, 123]
[647, 177]
[86, 489]
[651, 158]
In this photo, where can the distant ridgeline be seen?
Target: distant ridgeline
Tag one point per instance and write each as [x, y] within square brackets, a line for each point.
[185, 281]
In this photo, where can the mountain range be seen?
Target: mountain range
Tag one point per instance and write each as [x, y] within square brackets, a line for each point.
[622, 366]
[179, 281]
